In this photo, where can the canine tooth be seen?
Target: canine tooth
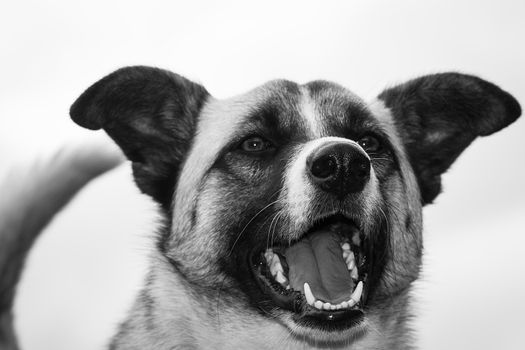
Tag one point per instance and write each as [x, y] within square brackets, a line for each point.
[327, 306]
[356, 295]
[308, 294]
[356, 240]
[280, 277]
[318, 304]
[354, 273]
[345, 246]
[351, 302]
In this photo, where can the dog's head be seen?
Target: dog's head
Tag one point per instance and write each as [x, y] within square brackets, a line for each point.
[300, 202]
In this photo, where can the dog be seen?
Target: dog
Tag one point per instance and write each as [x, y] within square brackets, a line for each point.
[292, 214]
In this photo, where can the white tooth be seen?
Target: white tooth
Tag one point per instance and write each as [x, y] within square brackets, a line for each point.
[276, 260]
[326, 306]
[338, 306]
[268, 255]
[356, 240]
[350, 261]
[270, 259]
[308, 294]
[356, 295]
[346, 246]
[319, 304]
[354, 274]
[351, 302]
[288, 287]
[280, 277]
[346, 253]
[344, 304]
[276, 265]
[351, 255]
[333, 307]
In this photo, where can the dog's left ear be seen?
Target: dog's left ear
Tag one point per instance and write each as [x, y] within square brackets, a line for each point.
[151, 114]
[439, 115]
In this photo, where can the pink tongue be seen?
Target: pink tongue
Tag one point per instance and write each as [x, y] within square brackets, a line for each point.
[318, 260]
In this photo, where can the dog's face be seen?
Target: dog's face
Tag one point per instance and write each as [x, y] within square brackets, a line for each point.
[300, 204]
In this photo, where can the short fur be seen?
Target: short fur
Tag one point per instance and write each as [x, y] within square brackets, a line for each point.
[220, 201]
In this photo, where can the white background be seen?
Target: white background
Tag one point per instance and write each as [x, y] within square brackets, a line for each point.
[83, 273]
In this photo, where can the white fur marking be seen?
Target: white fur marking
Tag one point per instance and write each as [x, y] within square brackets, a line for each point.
[308, 111]
[381, 111]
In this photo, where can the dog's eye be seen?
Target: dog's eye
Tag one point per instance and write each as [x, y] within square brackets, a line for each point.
[255, 144]
[369, 143]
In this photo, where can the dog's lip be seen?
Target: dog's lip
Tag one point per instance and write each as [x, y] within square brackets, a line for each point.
[295, 301]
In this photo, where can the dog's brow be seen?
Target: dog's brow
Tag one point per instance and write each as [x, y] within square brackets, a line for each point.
[277, 115]
[266, 115]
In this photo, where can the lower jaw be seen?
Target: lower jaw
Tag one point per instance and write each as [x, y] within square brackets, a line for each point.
[329, 335]
[336, 321]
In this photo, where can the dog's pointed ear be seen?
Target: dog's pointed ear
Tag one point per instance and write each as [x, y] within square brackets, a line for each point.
[439, 115]
[151, 114]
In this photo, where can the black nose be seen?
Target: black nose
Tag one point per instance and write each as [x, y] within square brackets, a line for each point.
[339, 168]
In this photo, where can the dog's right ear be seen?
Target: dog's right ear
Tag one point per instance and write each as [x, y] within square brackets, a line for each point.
[151, 114]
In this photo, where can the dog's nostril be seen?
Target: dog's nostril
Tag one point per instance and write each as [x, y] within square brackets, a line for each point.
[362, 168]
[324, 167]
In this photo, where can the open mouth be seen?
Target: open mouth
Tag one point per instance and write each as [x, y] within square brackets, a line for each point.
[322, 278]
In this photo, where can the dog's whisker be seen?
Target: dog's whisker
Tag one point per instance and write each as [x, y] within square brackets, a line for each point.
[269, 235]
[249, 222]
[273, 227]
[387, 222]
[269, 218]
[278, 217]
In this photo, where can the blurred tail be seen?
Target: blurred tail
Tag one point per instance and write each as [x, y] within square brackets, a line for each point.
[28, 201]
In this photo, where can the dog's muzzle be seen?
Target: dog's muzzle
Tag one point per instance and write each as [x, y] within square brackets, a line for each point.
[323, 275]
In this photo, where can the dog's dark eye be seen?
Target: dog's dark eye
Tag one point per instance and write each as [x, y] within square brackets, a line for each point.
[256, 144]
[369, 143]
